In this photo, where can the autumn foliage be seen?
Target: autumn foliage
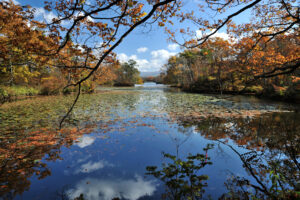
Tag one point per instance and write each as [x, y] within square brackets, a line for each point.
[76, 48]
[21, 157]
[29, 57]
[223, 66]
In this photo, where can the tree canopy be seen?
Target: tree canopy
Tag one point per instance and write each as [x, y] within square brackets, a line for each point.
[77, 45]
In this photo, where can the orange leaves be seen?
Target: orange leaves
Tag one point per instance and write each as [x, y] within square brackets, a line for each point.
[132, 3]
[54, 49]
[135, 12]
[230, 65]
[161, 24]
[295, 79]
[21, 43]
[22, 154]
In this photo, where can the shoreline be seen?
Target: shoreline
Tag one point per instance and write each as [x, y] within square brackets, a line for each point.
[203, 92]
[272, 97]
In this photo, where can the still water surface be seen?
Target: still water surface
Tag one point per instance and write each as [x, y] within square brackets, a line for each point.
[111, 139]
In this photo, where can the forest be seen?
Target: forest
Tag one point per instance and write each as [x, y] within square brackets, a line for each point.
[79, 121]
[40, 58]
[226, 67]
[27, 69]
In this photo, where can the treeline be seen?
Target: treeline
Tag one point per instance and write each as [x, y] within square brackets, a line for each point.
[243, 66]
[127, 74]
[157, 79]
[31, 61]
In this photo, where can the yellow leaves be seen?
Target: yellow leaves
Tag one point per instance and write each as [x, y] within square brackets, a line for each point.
[143, 14]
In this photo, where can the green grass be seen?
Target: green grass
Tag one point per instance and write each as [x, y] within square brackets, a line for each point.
[16, 91]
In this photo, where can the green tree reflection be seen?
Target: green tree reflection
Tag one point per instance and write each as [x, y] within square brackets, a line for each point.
[181, 176]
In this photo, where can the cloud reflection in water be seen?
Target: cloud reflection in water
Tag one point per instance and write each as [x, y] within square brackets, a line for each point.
[85, 141]
[95, 189]
[92, 166]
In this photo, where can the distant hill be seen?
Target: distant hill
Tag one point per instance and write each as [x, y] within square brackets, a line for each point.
[146, 74]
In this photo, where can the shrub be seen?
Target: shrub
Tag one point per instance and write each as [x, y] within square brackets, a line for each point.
[9, 93]
[67, 90]
[3, 95]
[88, 86]
[52, 85]
[257, 89]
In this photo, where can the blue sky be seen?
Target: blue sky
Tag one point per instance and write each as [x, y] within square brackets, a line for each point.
[151, 49]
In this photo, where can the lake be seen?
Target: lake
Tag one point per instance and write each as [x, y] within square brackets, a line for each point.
[148, 142]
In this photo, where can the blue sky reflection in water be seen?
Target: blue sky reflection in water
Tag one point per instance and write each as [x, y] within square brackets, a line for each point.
[143, 122]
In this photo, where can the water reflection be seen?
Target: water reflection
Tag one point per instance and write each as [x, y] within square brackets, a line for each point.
[85, 141]
[120, 132]
[94, 189]
[26, 154]
[273, 177]
[92, 166]
[274, 130]
[181, 176]
[269, 148]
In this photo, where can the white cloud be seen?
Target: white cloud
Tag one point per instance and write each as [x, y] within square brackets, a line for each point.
[47, 16]
[157, 60]
[142, 63]
[14, 1]
[122, 57]
[133, 57]
[95, 189]
[142, 49]
[81, 14]
[85, 158]
[222, 35]
[199, 34]
[162, 54]
[173, 47]
[85, 141]
[92, 166]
